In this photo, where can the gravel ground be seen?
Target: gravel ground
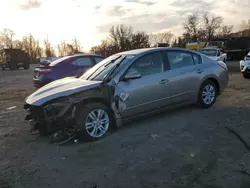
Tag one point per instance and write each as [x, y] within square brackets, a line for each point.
[186, 147]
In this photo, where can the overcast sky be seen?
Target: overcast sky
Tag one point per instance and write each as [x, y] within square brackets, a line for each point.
[90, 20]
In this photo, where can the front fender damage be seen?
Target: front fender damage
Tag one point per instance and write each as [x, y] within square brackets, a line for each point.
[118, 104]
[58, 117]
[55, 118]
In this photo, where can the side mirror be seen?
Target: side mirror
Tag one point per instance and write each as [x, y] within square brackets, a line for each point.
[131, 75]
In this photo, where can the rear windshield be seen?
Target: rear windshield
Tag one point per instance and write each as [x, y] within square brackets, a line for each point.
[56, 62]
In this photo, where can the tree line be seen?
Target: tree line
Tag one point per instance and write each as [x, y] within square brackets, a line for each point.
[196, 27]
[34, 47]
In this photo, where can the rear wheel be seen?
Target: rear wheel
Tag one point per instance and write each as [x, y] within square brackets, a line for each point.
[246, 75]
[94, 121]
[207, 94]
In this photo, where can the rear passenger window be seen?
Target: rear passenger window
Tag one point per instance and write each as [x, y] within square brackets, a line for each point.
[178, 59]
[197, 59]
[83, 61]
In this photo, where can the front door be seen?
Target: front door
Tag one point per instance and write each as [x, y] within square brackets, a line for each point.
[147, 93]
[185, 75]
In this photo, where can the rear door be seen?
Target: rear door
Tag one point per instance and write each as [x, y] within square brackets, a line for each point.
[81, 64]
[185, 73]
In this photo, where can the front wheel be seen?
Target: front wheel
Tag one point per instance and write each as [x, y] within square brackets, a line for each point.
[94, 121]
[26, 66]
[12, 66]
[207, 94]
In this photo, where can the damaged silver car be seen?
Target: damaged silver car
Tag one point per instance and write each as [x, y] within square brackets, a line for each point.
[124, 86]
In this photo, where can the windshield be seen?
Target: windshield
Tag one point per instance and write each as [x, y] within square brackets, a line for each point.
[209, 52]
[100, 70]
[53, 63]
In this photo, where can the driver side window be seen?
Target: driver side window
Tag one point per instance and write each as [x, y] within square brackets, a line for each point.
[148, 64]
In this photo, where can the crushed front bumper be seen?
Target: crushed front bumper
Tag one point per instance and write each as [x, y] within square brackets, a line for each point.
[50, 118]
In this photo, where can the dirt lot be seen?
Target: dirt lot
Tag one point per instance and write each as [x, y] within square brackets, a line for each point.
[187, 147]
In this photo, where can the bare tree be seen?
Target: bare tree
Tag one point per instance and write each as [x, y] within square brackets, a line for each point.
[245, 28]
[121, 36]
[49, 51]
[106, 48]
[140, 40]
[62, 49]
[211, 24]
[32, 47]
[7, 37]
[18, 44]
[76, 45]
[192, 25]
[65, 49]
[225, 30]
[245, 24]
[162, 37]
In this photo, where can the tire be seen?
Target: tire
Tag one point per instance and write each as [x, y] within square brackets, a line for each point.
[26, 66]
[13, 66]
[245, 75]
[83, 116]
[204, 87]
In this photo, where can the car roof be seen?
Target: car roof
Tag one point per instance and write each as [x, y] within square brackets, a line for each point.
[84, 54]
[142, 51]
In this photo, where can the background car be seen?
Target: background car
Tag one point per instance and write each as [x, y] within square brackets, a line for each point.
[68, 66]
[124, 86]
[245, 66]
[214, 53]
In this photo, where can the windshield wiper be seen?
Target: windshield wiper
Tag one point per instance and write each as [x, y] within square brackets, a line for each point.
[108, 76]
[112, 61]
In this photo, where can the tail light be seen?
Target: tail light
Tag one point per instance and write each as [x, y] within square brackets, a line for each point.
[44, 71]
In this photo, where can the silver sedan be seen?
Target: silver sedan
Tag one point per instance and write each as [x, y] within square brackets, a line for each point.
[124, 86]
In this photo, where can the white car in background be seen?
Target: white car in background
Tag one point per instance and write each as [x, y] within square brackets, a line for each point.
[245, 66]
[214, 53]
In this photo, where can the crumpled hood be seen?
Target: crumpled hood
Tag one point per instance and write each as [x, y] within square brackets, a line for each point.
[60, 88]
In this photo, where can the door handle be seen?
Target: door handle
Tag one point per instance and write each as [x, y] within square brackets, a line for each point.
[164, 81]
[199, 71]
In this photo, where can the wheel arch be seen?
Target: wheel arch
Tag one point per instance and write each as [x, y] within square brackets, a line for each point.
[213, 79]
[95, 100]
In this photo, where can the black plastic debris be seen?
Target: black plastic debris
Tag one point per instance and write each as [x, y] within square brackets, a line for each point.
[63, 136]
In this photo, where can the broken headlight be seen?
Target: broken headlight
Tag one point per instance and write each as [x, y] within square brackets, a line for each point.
[57, 109]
